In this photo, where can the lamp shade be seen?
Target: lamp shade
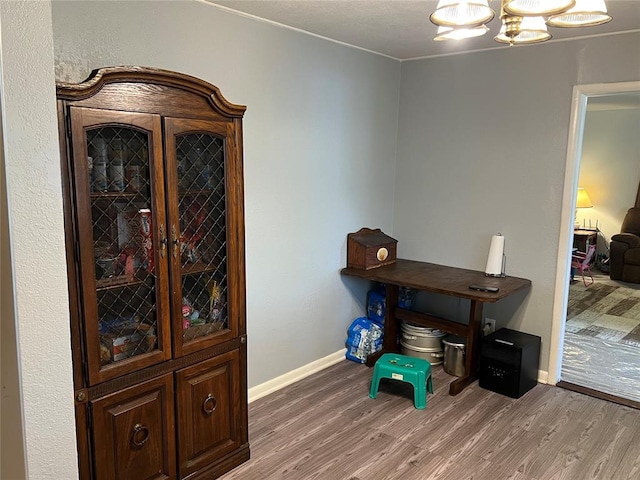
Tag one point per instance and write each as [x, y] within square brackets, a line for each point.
[582, 199]
[531, 30]
[460, 33]
[456, 13]
[586, 13]
[537, 7]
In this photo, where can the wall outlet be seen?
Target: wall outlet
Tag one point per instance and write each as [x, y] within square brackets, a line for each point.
[488, 326]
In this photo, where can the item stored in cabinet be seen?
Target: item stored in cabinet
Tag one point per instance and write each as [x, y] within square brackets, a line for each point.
[147, 238]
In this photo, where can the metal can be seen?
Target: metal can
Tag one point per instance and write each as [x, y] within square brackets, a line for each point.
[116, 166]
[134, 178]
[146, 239]
[116, 175]
[99, 174]
[90, 171]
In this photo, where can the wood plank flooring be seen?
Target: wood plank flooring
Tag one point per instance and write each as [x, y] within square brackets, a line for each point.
[326, 427]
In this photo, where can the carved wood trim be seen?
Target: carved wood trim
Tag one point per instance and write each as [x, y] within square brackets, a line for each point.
[122, 74]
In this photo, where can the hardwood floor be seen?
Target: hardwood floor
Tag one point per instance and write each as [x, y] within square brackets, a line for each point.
[326, 427]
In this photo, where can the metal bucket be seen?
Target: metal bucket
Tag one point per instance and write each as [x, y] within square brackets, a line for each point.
[433, 355]
[454, 355]
[421, 337]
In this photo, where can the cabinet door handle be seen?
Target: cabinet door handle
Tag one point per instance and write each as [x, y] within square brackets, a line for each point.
[139, 435]
[209, 405]
[175, 240]
[163, 241]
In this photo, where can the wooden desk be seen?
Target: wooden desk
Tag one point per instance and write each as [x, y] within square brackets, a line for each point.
[430, 277]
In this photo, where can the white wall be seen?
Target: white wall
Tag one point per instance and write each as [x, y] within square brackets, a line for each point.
[610, 168]
[319, 151]
[482, 148]
[36, 251]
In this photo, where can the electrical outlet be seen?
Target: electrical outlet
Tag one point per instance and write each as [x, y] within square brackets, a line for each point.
[488, 326]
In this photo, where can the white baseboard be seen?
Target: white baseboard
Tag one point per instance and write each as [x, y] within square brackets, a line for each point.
[293, 376]
[543, 377]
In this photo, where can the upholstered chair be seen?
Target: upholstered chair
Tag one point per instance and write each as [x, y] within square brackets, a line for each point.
[624, 252]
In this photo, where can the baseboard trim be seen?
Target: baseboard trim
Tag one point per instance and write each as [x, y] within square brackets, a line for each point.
[293, 376]
[298, 374]
[543, 377]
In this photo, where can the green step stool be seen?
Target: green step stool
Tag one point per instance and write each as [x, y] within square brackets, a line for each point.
[416, 371]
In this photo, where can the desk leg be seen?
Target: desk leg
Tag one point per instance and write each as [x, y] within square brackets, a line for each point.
[390, 341]
[474, 337]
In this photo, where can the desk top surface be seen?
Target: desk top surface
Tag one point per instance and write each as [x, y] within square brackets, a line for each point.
[431, 277]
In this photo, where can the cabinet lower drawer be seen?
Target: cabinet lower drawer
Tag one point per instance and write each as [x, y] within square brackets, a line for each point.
[208, 405]
[134, 432]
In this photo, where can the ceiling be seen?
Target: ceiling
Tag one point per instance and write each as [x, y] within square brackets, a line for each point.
[401, 28]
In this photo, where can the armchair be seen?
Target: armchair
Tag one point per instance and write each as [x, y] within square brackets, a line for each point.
[624, 252]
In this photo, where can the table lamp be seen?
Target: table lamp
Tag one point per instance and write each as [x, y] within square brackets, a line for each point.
[582, 201]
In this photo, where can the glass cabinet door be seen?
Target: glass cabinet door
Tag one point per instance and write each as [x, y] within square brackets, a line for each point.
[199, 275]
[117, 160]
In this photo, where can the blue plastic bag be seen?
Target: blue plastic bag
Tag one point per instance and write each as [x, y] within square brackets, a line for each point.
[364, 337]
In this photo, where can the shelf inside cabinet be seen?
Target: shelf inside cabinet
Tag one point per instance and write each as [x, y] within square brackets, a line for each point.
[198, 331]
[191, 192]
[197, 267]
[120, 281]
[117, 195]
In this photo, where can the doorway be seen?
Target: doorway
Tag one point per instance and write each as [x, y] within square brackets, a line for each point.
[584, 337]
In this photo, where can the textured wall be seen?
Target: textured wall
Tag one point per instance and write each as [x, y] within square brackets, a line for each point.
[34, 197]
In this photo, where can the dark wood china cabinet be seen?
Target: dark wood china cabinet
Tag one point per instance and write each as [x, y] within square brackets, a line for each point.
[153, 196]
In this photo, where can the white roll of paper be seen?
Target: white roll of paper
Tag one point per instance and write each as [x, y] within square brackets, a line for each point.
[496, 252]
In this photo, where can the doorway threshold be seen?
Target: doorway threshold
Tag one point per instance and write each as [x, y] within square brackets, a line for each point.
[597, 394]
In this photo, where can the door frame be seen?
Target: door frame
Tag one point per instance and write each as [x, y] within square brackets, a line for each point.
[580, 97]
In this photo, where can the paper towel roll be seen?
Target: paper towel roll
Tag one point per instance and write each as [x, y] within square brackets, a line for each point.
[494, 261]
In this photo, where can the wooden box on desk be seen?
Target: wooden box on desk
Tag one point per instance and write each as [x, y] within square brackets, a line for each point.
[368, 249]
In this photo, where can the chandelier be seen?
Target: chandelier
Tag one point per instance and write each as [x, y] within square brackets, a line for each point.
[523, 21]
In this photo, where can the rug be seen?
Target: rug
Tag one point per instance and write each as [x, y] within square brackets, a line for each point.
[604, 311]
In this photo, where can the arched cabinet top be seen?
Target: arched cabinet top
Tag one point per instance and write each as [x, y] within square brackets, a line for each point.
[99, 78]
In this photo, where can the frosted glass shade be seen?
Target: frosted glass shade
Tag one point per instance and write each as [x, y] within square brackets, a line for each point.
[532, 30]
[456, 13]
[525, 8]
[586, 13]
[460, 33]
